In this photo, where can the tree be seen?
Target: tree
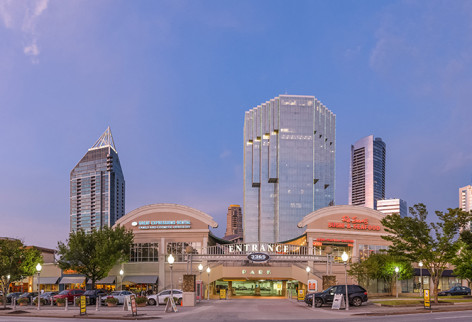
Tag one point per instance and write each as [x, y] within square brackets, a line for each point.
[16, 262]
[94, 254]
[463, 262]
[381, 266]
[435, 244]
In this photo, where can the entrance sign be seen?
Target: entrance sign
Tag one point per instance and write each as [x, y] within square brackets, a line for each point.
[338, 302]
[312, 286]
[223, 294]
[83, 305]
[301, 295]
[258, 257]
[427, 302]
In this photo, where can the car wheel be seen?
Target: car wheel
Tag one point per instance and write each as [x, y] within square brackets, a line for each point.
[152, 302]
[178, 301]
[318, 302]
[357, 301]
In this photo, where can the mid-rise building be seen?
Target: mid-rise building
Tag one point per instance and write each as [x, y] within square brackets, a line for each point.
[289, 159]
[97, 187]
[367, 172]
[465, 198]
[393, 206]
[234, 224]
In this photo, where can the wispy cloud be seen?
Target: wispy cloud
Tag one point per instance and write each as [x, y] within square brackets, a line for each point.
[24, 16]
[225, 154]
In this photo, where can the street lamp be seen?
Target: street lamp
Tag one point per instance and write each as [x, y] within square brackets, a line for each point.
[208, 286]
[200, 269]
[38, 268]
[396, 278]
[171, 260]
[421, 277]
[345, 257]
[121, 279]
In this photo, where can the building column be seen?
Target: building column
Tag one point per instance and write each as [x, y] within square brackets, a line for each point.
[162, 265]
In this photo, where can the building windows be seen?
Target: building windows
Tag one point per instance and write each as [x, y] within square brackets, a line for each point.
[178, 250]
[144, 252]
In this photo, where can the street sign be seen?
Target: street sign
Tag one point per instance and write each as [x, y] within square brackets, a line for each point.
[301, 295]
[427, 302]
[134, 307]
[83, 305]
[222, 294]
[338, 302]
[312, 286]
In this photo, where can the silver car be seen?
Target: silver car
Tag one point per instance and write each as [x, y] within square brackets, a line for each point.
[119, 295]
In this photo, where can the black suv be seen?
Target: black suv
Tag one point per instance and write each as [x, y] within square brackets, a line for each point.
[357, 295]
[93, 295]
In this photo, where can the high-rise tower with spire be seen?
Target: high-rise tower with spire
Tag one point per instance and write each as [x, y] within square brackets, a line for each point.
[97, 187]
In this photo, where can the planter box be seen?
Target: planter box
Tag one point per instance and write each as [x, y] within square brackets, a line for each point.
[142, 304]
[61, 304]
[111, 304]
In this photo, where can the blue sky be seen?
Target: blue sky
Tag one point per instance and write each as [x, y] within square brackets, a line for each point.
[173, 79]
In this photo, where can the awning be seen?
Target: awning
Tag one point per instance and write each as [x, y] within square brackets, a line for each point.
[72, 280]
[46, 280]
[140, 279]
[425, 272]
[106, 280]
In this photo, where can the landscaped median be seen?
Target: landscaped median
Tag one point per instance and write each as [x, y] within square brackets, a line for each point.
[406, 302]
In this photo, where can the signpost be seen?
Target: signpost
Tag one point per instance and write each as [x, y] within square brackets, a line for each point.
[338, 302]
[427, 302]
[223, 294]
[301, 295]
[83, 305]
[134, 307]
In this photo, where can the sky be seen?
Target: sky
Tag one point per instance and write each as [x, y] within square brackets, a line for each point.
[173, 79]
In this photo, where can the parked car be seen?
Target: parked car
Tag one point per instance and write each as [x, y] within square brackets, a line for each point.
[456, 290]
[357, 295]
[29, 296]
[70, 295]
[119, 295]
[93, 295]
[13, 295]
[160, 298]
[47, 297]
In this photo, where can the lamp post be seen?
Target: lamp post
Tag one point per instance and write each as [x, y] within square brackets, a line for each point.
[345, 257]
[208, 286]
[170, 260]
[421, 277]
[121, 279]
[8, 282]
[200, 269]
[396, 279]
[38, 268]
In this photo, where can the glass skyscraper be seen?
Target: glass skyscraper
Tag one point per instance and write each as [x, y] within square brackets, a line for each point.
[97, 187]
[289, 158]
[367, 177]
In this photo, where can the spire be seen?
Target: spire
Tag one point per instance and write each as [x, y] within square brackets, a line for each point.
[105, 140]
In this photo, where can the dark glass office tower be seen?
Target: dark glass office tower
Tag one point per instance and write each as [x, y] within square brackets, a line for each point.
[97, 187]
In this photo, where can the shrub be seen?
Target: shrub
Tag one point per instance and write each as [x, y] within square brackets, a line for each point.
[61, 300]
[23, 300]
[141, 299]
[43, 301]
[111, 300]
[77, 300]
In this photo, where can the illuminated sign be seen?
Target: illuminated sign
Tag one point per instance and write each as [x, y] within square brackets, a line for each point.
[256, 272]
[353, 223]
[162, 224]
[258, 257]
[277, 248]
[334, 240]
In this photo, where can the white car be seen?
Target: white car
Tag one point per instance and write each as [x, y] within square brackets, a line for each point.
[160, 298]
[119, 295]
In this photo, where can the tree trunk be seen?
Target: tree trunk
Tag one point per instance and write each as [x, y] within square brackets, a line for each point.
[435, 279]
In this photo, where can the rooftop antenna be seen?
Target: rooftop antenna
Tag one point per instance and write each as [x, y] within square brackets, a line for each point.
[106, 140]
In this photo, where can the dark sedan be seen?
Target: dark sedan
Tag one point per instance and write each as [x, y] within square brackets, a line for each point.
[93, 295]
[357, 295]
[456, 290]
[14, 295]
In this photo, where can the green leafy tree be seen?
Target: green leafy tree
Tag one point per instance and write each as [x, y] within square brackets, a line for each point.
[463, 262]
[381, 266]
[435, 244]
[94, 254]
[16, 262]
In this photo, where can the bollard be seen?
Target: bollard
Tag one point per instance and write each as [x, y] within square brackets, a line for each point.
[73, 300]
[313, 301]
[67, 305]
[14, 303]
[97, 303]
[52, 301]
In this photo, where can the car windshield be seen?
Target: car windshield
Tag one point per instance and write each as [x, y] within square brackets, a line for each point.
[90, 292]
[115, 293]
[65, 292]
